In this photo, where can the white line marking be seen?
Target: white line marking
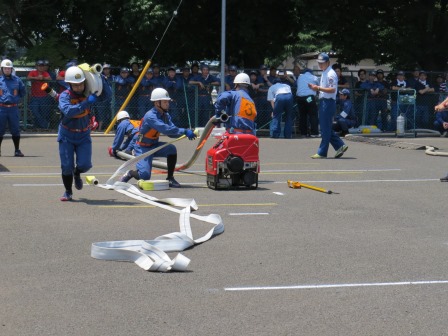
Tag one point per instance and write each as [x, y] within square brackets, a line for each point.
[248, 213]
[372, 284]
[278, 193]
[259, 182]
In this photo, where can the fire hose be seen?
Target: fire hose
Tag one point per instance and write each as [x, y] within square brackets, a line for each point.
[180, 166]
[432, 151]
[151, 255]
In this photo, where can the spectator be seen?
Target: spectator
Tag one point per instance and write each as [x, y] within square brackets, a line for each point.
[399, 88]
[186, 96]
[157, 78]
[253, 87]
[40, 102]
[280, 96]
[440, 86]
[233, 70]
[226, 72]
[346, 118]
[327, 109]
[204, 81]
[296, 72]
[342, 81]
[103, 108]
[194, 69]
[412, 82]
[284, 78]
[373, 88]
[307, 103]
[264, 108]
[123, 86]
[12, 90]
[170, 84]
[383, 96]
[272, 78]
[360, 96]
[135, 70]
[425, 100]
[144, 93]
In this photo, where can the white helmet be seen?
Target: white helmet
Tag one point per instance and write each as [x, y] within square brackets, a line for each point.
[74, 75]
[6, 63]
[242, 78]
[160, 94]
[122, 115]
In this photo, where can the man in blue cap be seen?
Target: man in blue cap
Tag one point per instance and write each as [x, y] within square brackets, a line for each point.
[327, 109]
[346, 118]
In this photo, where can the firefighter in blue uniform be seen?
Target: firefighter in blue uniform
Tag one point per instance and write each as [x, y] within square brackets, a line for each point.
[125, 134]
[156, 121]
[239, 107]
[11, 90]
[74, 129]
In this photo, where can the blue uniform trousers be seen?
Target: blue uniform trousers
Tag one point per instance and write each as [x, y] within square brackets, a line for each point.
[327, 109]
[144, 166]
[283, 103]
[10, 116]
[71, 144]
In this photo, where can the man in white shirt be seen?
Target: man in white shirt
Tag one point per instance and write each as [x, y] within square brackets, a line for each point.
[327, 109]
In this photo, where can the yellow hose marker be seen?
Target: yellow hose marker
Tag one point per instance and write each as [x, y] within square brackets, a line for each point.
[128, 98]
[298, 185]
[92, 180]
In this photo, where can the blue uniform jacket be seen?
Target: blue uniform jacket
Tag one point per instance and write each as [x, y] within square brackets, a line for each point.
[153, 123]
[240, 108]
[74, 106]
[11, 89]
[124, 128]
[206, 81]
[347, 107]
[372, 85]
[123, 85]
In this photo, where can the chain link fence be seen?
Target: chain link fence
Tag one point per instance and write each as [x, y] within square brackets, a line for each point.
[191, 109]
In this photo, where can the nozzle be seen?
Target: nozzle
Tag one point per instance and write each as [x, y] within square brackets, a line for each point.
[224, 117]
[91, 180]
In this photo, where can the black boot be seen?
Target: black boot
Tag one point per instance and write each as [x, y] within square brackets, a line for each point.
[171, 165]
[68, 181]
[16, 141]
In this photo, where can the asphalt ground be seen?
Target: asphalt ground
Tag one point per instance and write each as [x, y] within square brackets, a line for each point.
[369, 259]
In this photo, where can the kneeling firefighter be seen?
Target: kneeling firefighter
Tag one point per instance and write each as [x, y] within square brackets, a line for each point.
[74, 129]
[125, 135]
[234, 160]
[156, 121]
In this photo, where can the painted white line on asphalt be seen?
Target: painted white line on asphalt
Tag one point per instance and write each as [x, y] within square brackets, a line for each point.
[278, 193]
[372, 284]
[37, 185]
[248, 213]
[330, 170]
[259, 182]
[370, 181]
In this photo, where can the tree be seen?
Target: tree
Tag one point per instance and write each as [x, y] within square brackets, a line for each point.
[404, 33]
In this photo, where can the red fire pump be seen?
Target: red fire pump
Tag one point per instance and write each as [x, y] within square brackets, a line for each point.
[233, 162]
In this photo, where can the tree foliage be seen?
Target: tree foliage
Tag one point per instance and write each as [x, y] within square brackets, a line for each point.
[404, 33]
